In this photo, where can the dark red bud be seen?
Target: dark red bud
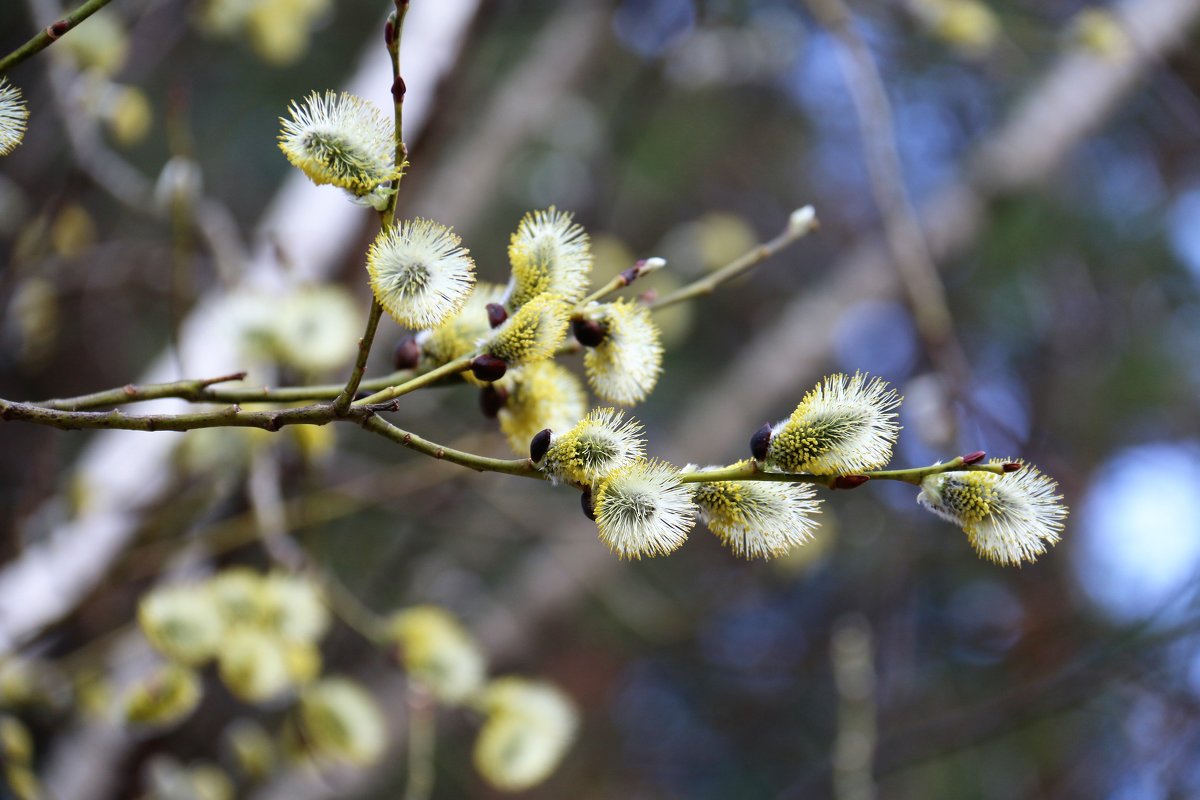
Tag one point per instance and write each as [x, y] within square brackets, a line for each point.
[57, 29]
[630, 275]
[491, 400]
[406, 354]
[760, 441]
[849, 481]
[1012, 466]
[585, 500]
[974, 458]
[489, 368]
[389, 32]
[496, 314]
[539, 444]
[588, 333]
[398, 90]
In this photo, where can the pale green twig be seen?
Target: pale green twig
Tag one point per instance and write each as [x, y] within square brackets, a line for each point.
[799, 225]
[753, 471]
[521, 467]
[346, 396]
[388, 216]
[50, 34]
[422, 739]
[420, 381]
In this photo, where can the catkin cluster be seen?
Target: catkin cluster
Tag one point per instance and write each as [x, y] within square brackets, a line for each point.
[263, 632]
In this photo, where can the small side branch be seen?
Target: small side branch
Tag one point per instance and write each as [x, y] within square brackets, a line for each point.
[50, 34]
[384, 396]
[521, 467]
[802, 222]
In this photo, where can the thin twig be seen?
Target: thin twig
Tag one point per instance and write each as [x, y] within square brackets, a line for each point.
[200, 391]
[388, 215]
[521, 467]
[384, 396]
[422, 739]
[50, 34]
[229, 417]
[799, 226]
[752, 471]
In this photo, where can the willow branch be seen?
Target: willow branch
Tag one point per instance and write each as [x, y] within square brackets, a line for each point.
[229, 417]
[388, 215]
[50, 34]
[200, 391]
[753, 471]
[384, 396]
[801, 223]
[346, 395]
[521, 467]
[422, 739]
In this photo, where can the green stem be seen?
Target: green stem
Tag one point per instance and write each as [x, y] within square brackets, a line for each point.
[793, 232]
[617, 283]
[200, 391]
[346, 397]
[520, 467]
[388, 216]
[50, 34]
[422, 729]
[392, 392]
[752, 471]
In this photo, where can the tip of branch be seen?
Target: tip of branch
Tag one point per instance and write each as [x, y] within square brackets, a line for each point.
[802, 221]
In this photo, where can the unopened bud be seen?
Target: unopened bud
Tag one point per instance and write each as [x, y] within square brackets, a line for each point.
[849, 481]
[399, 89]
[491, 400]
[389, 32]
[974, 458]
[648, 265]
[539, 444]
[496, 314]
[760, 441]
[1012, 466]
[489, 368]
[406, 354]
[588, 333]
[585, 501]
[802, 220]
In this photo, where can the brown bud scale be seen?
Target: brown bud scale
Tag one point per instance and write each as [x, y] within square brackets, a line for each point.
[491, 400]
[760, 442]
[406, 354]
[588, 333]
[539, 445]
[585, 501]
[496, 314]
[489, 368]
[849, 481]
